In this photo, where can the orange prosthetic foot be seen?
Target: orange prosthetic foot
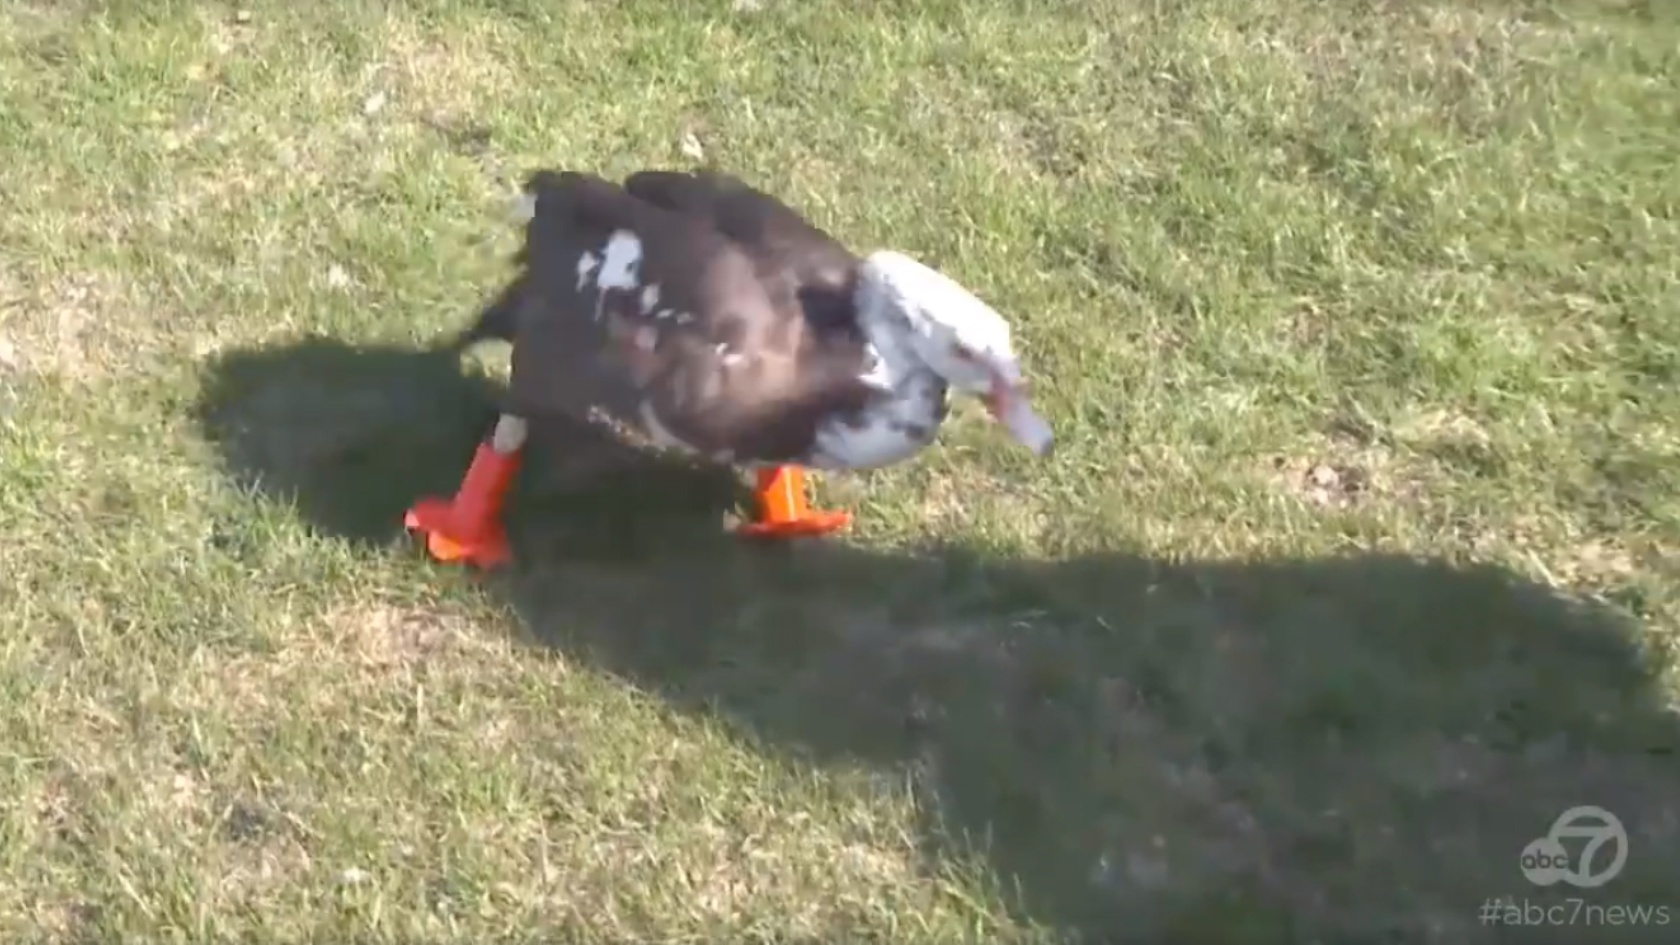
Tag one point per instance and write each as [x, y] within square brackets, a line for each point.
[785, 512]
[469, 526]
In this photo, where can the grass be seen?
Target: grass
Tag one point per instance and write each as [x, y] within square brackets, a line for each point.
[1356, 565]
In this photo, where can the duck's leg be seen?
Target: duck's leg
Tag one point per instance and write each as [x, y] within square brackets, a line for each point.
[785, 511]
[469, 526]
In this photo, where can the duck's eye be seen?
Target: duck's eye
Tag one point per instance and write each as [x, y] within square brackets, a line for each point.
[964, 354]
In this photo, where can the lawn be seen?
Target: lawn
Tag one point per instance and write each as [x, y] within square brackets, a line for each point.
[1357, 564]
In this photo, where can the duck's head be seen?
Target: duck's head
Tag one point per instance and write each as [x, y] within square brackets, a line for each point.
[957, 336]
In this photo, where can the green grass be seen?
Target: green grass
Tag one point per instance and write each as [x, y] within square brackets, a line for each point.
[1356, 565]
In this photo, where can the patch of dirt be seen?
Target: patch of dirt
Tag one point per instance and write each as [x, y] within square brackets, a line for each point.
[1328, 482]
[264, 850]
[383, 637]
[439, 79]
[1352, 463]
[377, 646]
[66, 328]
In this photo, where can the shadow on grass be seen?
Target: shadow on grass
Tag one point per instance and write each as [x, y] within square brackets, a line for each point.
[1146, 751]
[354, 434]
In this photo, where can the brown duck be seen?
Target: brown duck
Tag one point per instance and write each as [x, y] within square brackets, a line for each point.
[723, 324]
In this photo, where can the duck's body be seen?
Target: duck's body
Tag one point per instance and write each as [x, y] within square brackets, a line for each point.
[908, 402]
[720, 322]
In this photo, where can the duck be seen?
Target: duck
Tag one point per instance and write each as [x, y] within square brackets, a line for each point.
[721, 323]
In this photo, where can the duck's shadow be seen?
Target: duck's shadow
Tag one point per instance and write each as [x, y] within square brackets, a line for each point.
[352, 435]
[1258, 751]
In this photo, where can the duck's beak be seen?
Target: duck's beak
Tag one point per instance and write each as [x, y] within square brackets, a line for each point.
[1010, 403]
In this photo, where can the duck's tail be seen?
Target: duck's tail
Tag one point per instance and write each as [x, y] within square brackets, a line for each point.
[543, 192]
[547, 200]
[542, 188]
[497, 321]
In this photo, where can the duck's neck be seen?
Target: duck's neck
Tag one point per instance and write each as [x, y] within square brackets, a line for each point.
[888, 327]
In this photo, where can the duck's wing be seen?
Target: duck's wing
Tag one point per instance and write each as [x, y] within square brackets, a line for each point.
[781, 242]
[640, 309]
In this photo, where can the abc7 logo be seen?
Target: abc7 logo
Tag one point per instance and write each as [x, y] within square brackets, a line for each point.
[1546, 861]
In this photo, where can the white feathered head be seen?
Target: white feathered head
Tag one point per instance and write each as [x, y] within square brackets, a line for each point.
[957, 336]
